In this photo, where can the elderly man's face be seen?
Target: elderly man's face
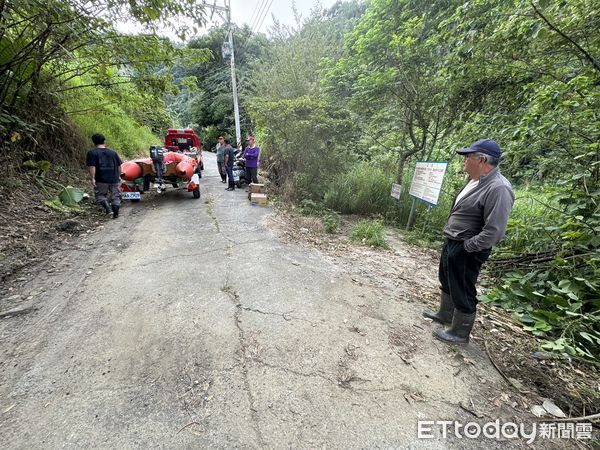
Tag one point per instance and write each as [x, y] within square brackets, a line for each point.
[474, 165]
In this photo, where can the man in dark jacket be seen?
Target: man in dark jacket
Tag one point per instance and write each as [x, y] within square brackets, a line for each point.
[477, 222]
[228, 158]
[221, 158]
[104, 167]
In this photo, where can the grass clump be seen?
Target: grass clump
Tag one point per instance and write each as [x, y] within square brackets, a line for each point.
[363, 190]
[331, 221]
[370, 232]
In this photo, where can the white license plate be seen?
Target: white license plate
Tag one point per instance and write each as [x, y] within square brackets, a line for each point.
[130, 195]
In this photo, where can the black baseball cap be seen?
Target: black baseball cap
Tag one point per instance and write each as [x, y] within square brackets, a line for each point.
[485, 146]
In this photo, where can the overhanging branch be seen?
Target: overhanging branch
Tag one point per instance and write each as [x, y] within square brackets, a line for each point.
[584, 52]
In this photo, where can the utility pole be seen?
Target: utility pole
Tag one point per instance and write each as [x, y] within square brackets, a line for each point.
[226, 8]
[236, 108]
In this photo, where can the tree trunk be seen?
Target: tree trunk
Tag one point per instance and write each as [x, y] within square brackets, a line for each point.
[400, 174]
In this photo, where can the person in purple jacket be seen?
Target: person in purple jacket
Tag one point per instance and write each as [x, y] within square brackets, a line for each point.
[251, 155]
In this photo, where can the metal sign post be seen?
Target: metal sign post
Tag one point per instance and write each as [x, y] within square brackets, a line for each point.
[411, 215]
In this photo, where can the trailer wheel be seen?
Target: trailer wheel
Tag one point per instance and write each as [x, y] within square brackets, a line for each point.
[196, 192]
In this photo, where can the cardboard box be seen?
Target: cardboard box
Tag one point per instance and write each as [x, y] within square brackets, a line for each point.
[256, 188]
[259, 199]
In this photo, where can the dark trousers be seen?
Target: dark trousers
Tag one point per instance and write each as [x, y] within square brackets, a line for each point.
[458, 274]
[230, 176]
[108, 191]
[222, 170]
[251, 175]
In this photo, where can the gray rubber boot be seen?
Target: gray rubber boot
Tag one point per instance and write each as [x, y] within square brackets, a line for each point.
[459, 331]
[446, 310]
[115, 211]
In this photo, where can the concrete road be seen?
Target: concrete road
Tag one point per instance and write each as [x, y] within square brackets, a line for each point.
[190, 324]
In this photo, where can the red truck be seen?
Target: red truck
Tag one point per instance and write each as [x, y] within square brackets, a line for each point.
[184, 140]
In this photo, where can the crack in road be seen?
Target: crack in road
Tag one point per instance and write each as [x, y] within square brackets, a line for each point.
[266, 313]
[210, 209]
[295, 372]
[179, 256]
[234, 296]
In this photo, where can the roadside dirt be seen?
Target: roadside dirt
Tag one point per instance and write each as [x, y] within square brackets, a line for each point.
[530, 375]
[29, 230]
[212, 323]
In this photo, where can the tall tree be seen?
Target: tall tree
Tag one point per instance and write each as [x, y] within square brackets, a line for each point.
[391, 76]
[205, 97]
[308, 137]
[47, 47]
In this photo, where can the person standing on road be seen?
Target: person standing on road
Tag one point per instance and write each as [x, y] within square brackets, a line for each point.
[477, 222]
[251, 155]
[104, 167]
[221, 158]
[229, 157]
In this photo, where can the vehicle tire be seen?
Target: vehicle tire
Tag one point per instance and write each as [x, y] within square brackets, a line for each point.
[196, 192]
[175, 185]
[238, 184]
[146, 184]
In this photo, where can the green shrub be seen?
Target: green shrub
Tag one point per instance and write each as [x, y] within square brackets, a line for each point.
[364, 189]
[309, 207]
[297, 148]
[331, 220]
[533, 219]
[370, 232]
[123, 134]
[550, 278]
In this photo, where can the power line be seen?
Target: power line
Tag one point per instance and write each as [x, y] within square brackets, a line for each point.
[261, 6]
[264, 16]
[254, 22]
[254, 13]
[259, 15]
[227, 18]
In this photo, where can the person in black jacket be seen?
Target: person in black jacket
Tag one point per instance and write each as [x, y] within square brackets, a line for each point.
[104, 167]
[229, 157]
